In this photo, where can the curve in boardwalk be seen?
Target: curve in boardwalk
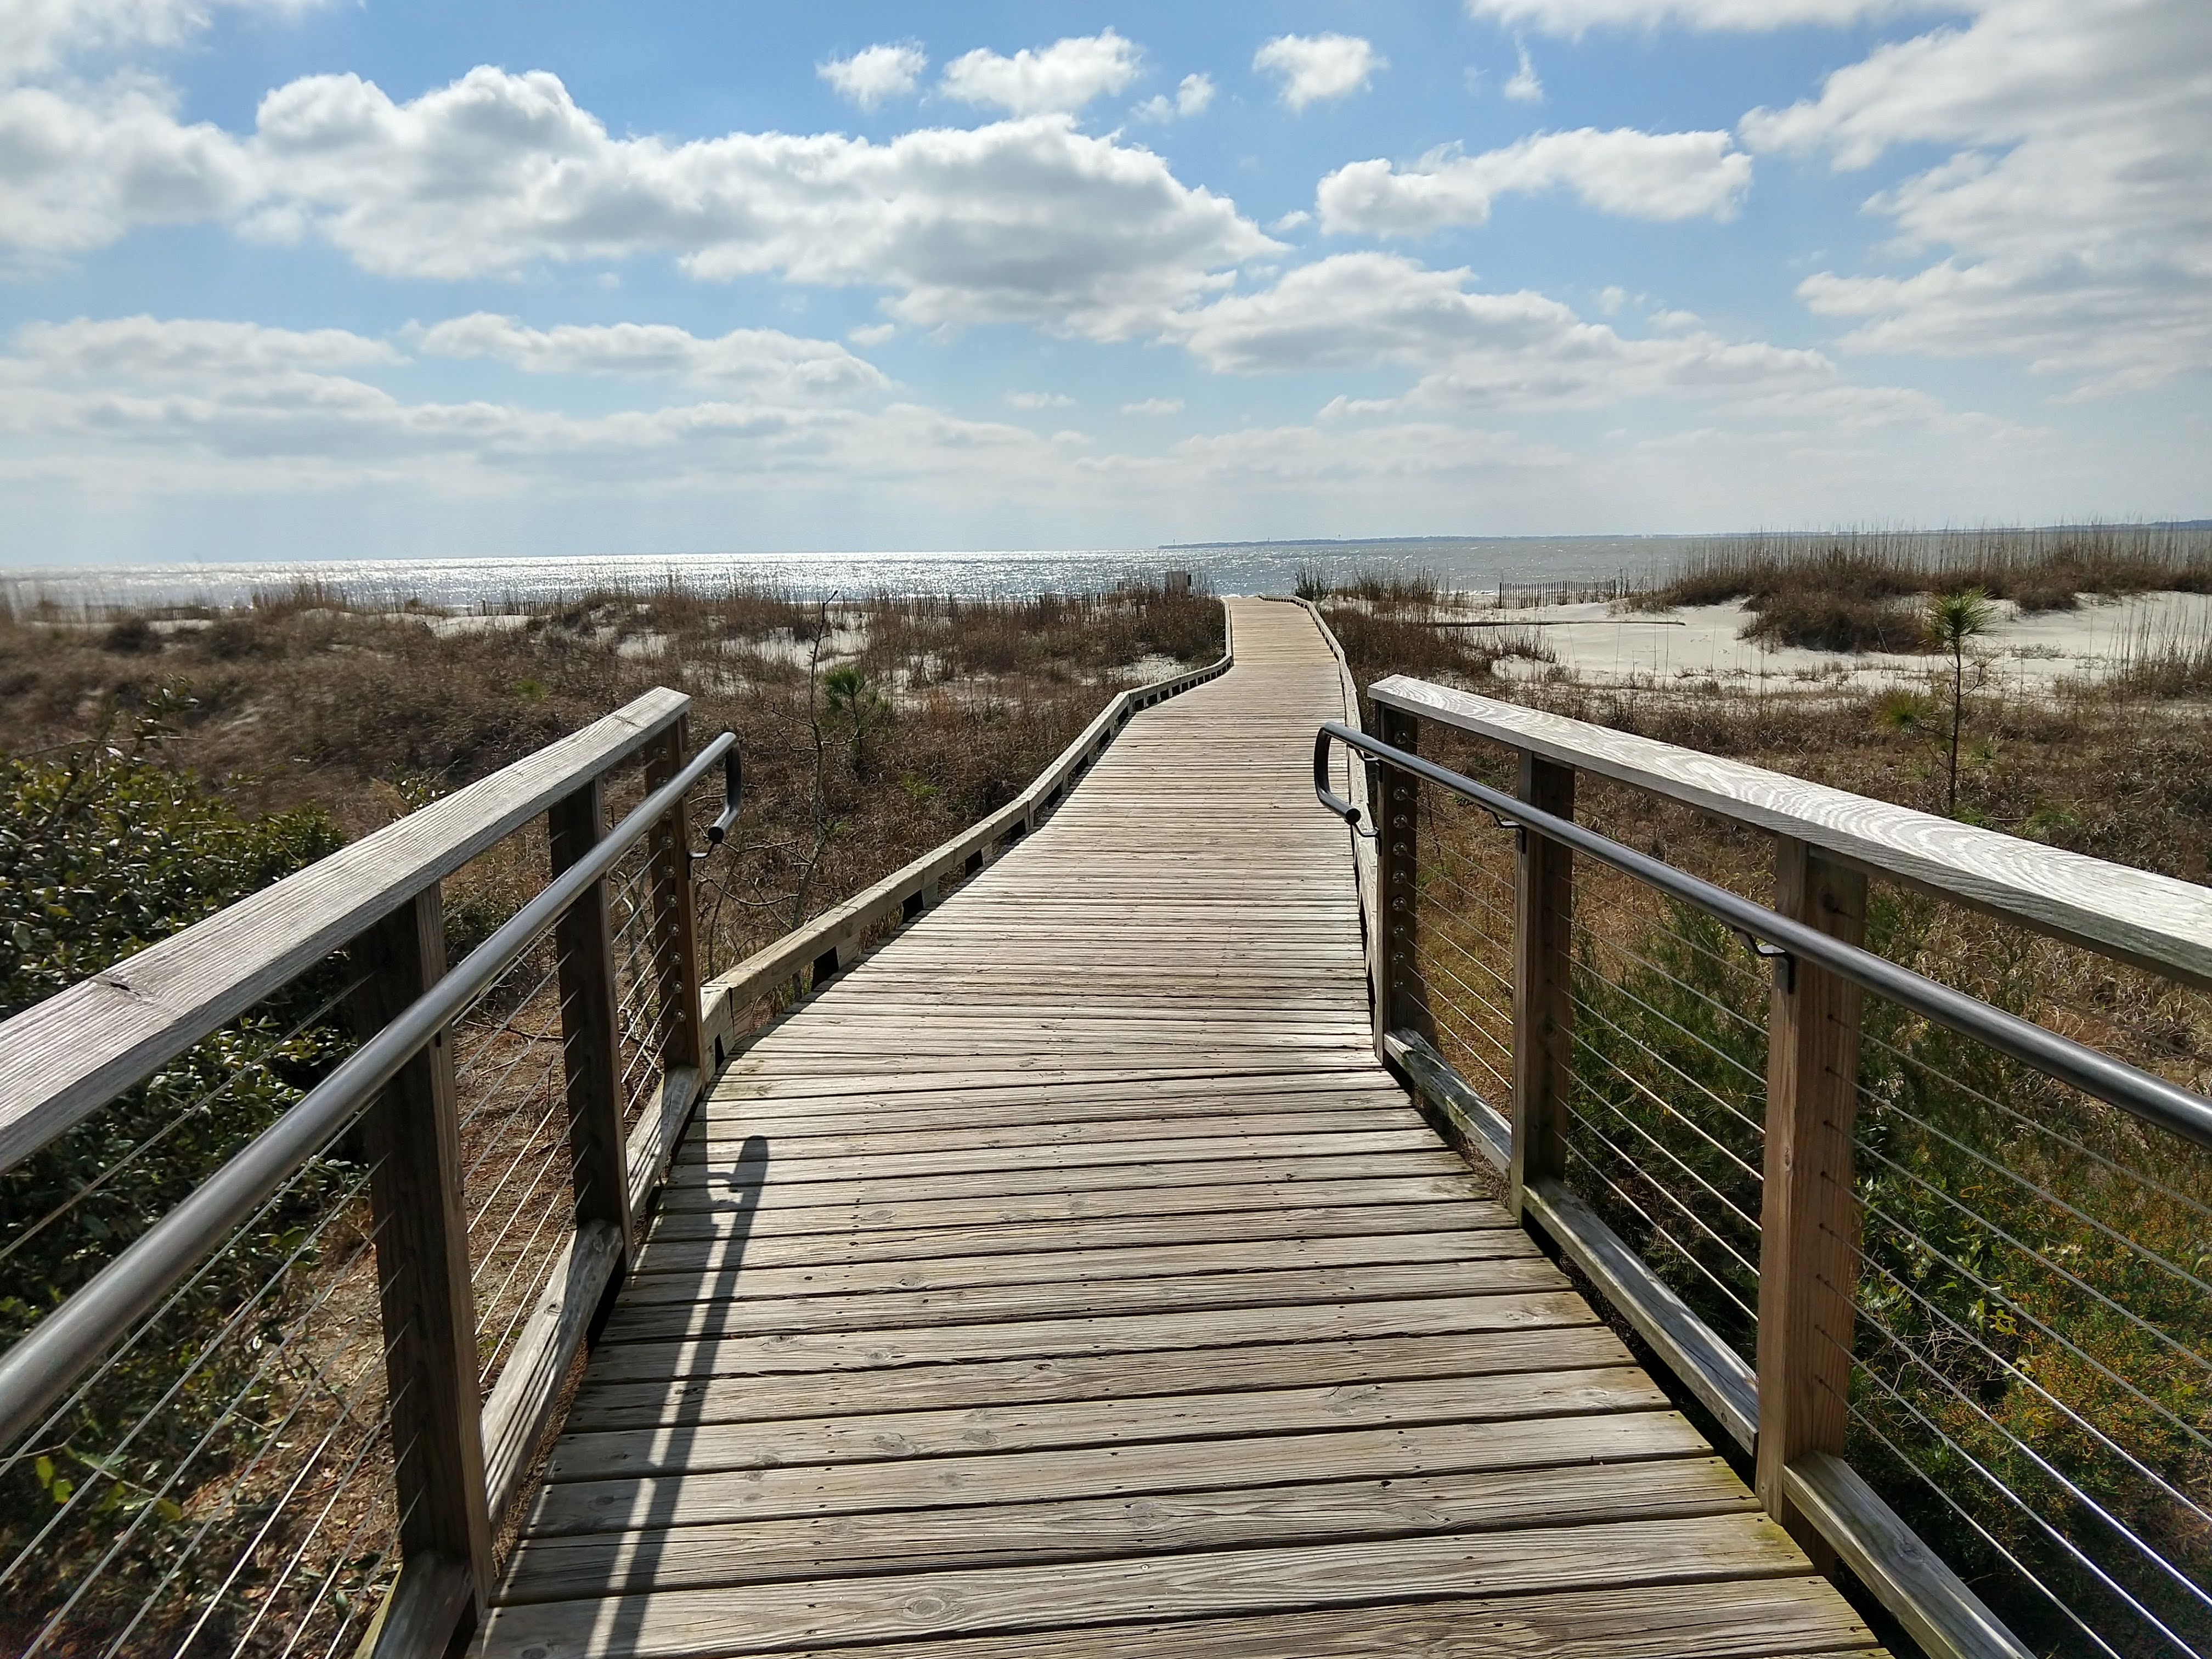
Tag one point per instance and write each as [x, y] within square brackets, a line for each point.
[1068, 1278]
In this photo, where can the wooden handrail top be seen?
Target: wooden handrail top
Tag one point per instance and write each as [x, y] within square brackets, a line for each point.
[2154, 921]
[69, 1055]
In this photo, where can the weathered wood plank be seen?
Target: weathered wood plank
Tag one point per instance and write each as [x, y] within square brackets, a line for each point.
[1073, 1595]
[700, 1449]
[850, 1215]
[752, 1280]
[836, 1350]
[618, 1505]
[901, 1247]
[597, 1564]
[1747, 1619]
[740, 1315]
[969, 1383]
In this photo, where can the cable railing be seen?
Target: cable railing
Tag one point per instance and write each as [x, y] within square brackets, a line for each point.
[313, 1223]
[1933, 1249]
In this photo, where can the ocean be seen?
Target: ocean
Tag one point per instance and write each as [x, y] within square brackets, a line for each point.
[1476, 563]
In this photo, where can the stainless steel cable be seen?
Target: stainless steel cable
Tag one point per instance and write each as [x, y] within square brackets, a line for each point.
[1665, 1151]
[2026, 1121]
[2028, 1380]
[2027, 1511]
[1645, 1048]
[2165, 1339]
[1681, 1250]
[1995, 1293]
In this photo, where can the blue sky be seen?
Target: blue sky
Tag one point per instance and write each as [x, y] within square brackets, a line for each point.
[327, 278]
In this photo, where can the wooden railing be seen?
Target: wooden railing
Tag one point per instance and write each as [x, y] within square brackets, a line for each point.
[479, 1321]
[308, 1396]
[1774, 1274]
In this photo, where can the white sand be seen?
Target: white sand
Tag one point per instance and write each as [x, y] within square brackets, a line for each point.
[1602, 645]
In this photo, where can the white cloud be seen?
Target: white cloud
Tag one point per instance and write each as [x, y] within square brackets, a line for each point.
[1476, 350]
[871, 334]
[1525, 88]
[1193, 97]
[1040, 400]
[1154, 407]
[1023, 220]
[876, 75]
[1639, 175]
[1610, 299]
[1063, 77]
[38, 35]
[1028, 219]
[1314, 67]
[2074, 204]
[141, 404]
[1296, 219]
[76, 173]
[145, 348]
[1574, 16]
[757, 360]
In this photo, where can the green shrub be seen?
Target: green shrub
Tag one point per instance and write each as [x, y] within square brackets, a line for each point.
[102, 852]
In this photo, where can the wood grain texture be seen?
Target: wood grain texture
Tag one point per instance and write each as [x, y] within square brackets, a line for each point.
[1543, 995]
[1071, 1263]
[590, 1046]
[74, 1052]
[1072, 1595]
[1808, 1223]
[1714, 1371]
[1945, 1618]
[1746, 1619]
[2155, 921]
[411, 1139]
[1078, 1530]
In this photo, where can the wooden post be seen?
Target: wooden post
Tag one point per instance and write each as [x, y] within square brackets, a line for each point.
[1543, 1004]
[675, 919]
[590, 1036]
[1808, 1223]
[411, 1136]
[1400, 1000]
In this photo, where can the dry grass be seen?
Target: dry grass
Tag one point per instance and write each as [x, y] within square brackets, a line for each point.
[1858, 591]
[299, 699]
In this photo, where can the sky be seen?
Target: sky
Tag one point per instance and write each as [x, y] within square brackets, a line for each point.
[338, 278]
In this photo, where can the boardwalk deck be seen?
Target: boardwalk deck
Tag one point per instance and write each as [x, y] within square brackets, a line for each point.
[1068, 1279]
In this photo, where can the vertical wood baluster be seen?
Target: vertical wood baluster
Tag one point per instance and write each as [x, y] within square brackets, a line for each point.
[589, 1036]
[411, 1136]
[1808, 1222]
[1543, 1007]
[675, 923]
[1401, 998]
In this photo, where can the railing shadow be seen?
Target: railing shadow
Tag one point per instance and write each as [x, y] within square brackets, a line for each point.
[746, 1180]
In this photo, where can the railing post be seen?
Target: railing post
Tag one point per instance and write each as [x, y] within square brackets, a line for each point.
[1808, 1222]
[1543, 1004]
[1400, 1000]
[591, 1045]
[675, 924]
[411, 1136]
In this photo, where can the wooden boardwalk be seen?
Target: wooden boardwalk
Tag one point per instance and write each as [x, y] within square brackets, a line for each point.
[1068, 1279]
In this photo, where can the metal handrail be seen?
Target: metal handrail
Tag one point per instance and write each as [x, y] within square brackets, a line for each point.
[2158, 1101]
[61, 1347]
